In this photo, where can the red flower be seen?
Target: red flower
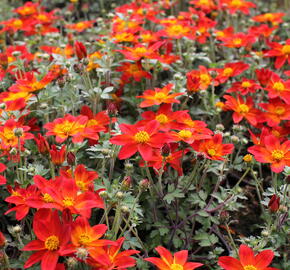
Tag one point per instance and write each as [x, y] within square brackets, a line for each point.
[3, 180]
[213, 148]
[198, 79]
[276, 111]
[242, 109]
[42, 144]
[238, 5]
[158, 96]
[273, 152]
[244, 87]
[52, 236]
[140, 138]
[80, 50]
[238, 40]
[168, 262]
[230, 70]
[57, 156]
[110, 257]
[281, 52]
[248, 261]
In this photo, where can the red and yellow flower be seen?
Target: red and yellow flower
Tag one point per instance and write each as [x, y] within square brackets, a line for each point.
[248, 260]
[143, 139]
[176, 262]
[272, 151]
[158, 96]
[213, 148]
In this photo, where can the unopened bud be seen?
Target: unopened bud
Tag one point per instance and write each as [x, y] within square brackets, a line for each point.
[165, 150]
[274, 203]
[235, 139]
[18, 132]
[16, 229]
[82, 253]
[61, 81]
[144, 184]
[265, 233]
[219, 127]
[127, 182]
[119, 195]
[71, 158]
[103, 194]
[71, 262]
[224, 216]
[112, 109]
[125, 209]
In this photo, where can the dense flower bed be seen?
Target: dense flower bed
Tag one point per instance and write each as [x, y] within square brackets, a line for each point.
[150, 134]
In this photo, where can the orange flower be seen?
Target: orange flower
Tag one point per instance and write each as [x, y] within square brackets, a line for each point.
[15, 101]
[205, 5]
[274, 18]
[110, 257]
[13, 132]
[30, 84]
[277, 87]
[244, 87]
[28, 9]
[133, 71]
[281, 52]
[176, 31]
[248, 260]
[230, 70]
[238, 5]
[69, 126]
[198, 79]
[276, 111]
[80, 26]
[238, 40]
[84, 179]
[213, 148]
[273, 152]
[176, 262]
[242, 109]
[83, 235]
[158, 96]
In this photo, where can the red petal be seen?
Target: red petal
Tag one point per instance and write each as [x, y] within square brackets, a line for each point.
[263, 259]
[246, 255]
[49, 260]
[230, 263]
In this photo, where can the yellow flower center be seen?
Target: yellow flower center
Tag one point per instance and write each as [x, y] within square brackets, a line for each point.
[47, 198]
[17, 23]
[176, 267]
[203, 2]
[134, 68]
[268, 16]
[248, 158]
[286, 49]
[280, 110]
[140, 50]
[246, 84]
[185, 134]
[237, 41]
[160, 96]
[80, 25]
[250, 267]
[66, 127]
[205, 79]
[236, 3]
[279, 86]
[228, 71]
[244, 108]
[9, 134]
[84, 239]
[277, 155]
[211, 152]
[142, 137]
[162, 118]
[52, 243]
[68, 201]
[81, 185]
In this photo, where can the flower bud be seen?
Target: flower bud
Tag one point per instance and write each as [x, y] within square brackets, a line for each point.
[224, 216]
[18, 132]
[125, 209]
[61, 81]
[71, 262]
[165, 150]
[82, 253]
[119, 195]
[265, 233]
[78, 68]
[127, 182]
[16, 229]
[219, 127]
[112, 109]
[274, 203]
[71, 158]
[3, 60]
[235, 139]
[103, 194]
[144, 184]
